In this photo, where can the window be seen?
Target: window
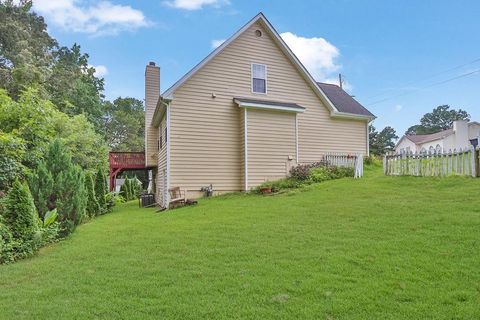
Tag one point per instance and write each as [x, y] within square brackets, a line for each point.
[259, 78]
[438, 149]
[160, 143]
[165, 134]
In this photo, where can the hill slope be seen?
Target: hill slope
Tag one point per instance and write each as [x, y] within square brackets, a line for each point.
[379, 247]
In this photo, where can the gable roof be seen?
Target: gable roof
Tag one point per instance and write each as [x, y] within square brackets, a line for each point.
[334, 112]
[422, 138]
[342, 100]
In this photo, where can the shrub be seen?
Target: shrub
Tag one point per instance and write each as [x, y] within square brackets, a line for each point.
[302, 171]
[93, 207]
[20, 214]
[6, 243]
[58, 183]
[306, 174]
[125, 189]
[101, 190]
[321, 174]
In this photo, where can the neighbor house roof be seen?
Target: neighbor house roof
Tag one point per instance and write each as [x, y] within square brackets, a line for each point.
[342, 100]
[334, 112]
[422, 138]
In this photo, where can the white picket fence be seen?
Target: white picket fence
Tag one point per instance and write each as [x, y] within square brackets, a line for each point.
[462, 162]
[346, 160]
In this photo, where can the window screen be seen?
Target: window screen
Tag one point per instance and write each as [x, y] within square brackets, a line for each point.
[259, 78]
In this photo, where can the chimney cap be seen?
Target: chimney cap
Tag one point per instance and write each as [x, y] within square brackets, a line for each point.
[151, 63]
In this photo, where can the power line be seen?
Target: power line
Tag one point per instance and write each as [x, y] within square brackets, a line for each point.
[429, 86]
[426, 78]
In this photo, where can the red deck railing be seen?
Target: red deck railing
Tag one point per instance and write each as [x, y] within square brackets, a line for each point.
[127, 160]
[121, 161]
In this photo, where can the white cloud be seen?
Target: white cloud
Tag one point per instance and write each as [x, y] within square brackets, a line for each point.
[317, 55]
[398, 108]
[195, 4]
[217, 43]
[98, 18]
[100, 70]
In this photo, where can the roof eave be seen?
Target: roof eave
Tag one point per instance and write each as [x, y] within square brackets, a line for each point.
[352, 116]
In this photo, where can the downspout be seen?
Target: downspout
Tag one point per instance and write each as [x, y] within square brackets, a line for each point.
[245, 129]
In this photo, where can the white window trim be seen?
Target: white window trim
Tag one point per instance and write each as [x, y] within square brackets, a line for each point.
[266, 78]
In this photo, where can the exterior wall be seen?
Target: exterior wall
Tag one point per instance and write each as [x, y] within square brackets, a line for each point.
[405, 145]
[473, 131]
[161, 164]
[435, 144]
[206, 132]
[152, 93]
[271, 143]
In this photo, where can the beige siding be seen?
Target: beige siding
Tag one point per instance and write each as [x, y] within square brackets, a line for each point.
[206, 132]
[162, 163]
[152, 93]
[271, 141]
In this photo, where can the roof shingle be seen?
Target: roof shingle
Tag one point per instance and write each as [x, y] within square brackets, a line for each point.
[342, 100]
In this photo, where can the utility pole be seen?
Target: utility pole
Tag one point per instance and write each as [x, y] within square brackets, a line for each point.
[340, 81]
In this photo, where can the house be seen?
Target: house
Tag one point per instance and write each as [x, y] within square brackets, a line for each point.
[245, 114]
[462, 135]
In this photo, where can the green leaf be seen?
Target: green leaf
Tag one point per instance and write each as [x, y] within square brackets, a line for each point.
[50, 217]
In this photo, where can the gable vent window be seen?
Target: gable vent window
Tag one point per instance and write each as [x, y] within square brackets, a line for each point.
[259, 78]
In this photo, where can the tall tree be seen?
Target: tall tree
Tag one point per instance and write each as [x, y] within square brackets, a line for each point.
[441, 118]
[25, 47]
[124, 124]
[383, 141]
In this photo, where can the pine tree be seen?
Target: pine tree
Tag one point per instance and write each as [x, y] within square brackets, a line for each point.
[125, 189]
[64, 189]
[93, 207]
[41, 185]
[20, 214]
[101, 190]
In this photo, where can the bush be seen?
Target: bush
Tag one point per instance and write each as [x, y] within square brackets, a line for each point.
[101, 190]
[321, 174]
[93, 207]
[19, 225]
[6, 243]
[20, 214]
[59, 184]
[302, 171]
[306, 174]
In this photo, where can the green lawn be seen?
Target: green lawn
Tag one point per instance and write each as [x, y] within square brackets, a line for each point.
[375, 248]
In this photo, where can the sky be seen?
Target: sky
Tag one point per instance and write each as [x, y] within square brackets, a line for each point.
[400, 59]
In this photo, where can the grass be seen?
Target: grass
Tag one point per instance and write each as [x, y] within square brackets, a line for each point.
[376, 248]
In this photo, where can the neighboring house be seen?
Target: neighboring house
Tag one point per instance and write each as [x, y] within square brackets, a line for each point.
[245, 114]
[462, 135]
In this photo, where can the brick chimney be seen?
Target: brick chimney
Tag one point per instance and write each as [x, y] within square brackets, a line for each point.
[152, 94]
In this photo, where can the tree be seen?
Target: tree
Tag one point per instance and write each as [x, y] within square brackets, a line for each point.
[88, 149]
[60, 184]
[124, 124]
[73, 87]
[25, 47]
[93, 207]
[20, 214]
[101, 189]
[441, 118]
[383, 141]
